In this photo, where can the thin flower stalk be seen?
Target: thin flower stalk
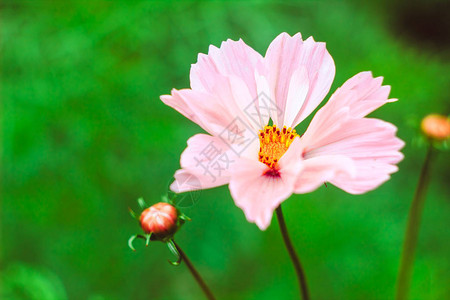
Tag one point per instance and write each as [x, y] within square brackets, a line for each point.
[293, 255]
[412, 229]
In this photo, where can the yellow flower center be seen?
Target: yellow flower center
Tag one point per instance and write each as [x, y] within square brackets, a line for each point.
[274, 143]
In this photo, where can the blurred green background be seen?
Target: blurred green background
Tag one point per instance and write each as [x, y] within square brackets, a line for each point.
[84, 134]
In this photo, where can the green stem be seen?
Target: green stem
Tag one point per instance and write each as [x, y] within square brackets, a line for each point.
[290, 248]
[412, 230]
[195, 273]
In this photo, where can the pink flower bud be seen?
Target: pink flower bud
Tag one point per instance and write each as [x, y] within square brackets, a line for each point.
[159, 219]
[436, 127]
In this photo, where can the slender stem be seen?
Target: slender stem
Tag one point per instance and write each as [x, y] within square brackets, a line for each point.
[290, 248]
[412, 230]
[195, 273]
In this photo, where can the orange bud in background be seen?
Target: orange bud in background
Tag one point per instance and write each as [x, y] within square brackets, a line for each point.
[159, 219]
[436, 127]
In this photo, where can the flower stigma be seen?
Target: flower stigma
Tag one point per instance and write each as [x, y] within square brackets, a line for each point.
[273, 144]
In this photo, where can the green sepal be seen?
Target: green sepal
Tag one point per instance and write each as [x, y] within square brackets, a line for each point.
[130, 241]
[132, 213]
[142, 203]
[184, 217]
[145, 237]
[174, 250]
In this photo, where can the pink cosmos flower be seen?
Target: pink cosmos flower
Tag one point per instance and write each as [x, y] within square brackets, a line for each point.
[248, 105]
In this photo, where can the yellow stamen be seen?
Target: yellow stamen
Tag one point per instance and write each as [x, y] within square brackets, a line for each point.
[274, 143]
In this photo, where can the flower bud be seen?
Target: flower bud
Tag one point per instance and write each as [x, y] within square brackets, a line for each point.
[436, 127]
[160, 220]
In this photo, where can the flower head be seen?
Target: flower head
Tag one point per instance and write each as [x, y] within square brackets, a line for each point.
[436, 127]
[159, 219]
[249, 104]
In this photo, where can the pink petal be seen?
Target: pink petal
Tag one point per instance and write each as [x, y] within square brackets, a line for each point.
[339, 128]
[179, 104]
[201, 108]
[362, 94]
[211, 112]
[233, 58]
[205, 163]
[228, 73]
[259, 194]
[186, 181]
[375, 153]
[370, 143]
[266, 106]
[320, 169]
[285, 56]
[297, 93]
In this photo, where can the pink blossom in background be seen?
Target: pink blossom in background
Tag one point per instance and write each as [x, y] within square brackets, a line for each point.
[249, 104]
